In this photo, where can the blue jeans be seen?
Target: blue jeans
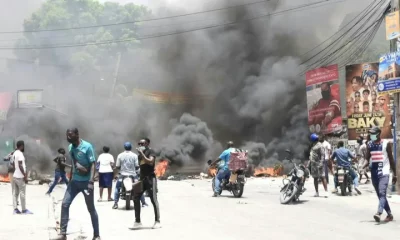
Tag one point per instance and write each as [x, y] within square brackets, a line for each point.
[353, 175]
[74, 188]
[222, 174]
[118, 186]
[57, 176]
[380, 184]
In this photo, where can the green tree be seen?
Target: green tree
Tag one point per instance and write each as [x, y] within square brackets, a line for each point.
[56, 14]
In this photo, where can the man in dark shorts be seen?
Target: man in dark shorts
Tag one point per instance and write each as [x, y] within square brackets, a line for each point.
[316, 163]
[149, 181]
[60, 170]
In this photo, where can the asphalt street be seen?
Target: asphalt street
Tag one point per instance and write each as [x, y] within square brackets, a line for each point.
[188, 211]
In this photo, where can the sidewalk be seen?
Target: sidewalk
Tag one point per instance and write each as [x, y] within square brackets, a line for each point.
[21, 227]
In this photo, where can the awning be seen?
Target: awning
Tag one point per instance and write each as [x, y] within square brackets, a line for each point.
[5, 104]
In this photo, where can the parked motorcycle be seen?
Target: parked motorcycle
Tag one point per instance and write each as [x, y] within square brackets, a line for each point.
[345, 181]
[235, 186]
[293, 185]
[126, 191]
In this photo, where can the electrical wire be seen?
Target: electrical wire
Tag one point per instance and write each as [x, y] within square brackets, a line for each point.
[138, 21]
[337, 40]
[329, 38]
[163, 35]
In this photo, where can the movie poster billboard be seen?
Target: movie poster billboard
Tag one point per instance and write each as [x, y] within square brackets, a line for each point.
[323, 100]
[389, 73]
[364, 107]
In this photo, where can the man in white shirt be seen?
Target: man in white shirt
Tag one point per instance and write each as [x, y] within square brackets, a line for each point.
[327, 153]
[106, 172]
[20, 179]
[128, 164]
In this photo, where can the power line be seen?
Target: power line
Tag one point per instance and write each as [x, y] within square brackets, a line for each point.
[367, 15]
[329, 38]
[138, 21]
[150, 26]
[166, 34]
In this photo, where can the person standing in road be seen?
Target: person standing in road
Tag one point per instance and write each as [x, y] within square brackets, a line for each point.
[379, 153]
[82, 181]
[127, 163]
[148, 178]
[317, 166]
[327, 153]
[106, 172]
[20, 179]
[362, 155]
[59, 173]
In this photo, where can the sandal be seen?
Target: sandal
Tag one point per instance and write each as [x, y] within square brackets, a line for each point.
[110, 200]
[100, 200]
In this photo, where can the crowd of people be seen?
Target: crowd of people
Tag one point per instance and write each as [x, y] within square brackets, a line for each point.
[373, 154]
[138, 166]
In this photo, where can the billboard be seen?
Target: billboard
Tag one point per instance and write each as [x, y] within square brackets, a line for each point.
[323, 100]
[389, 73]
[364, 107]
[30, 98]
[392, 25]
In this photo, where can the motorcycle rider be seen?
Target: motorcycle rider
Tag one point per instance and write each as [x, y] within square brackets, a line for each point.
[379, 153]
[342, 155]
[223, 168]
[128, 164]
[316, 164]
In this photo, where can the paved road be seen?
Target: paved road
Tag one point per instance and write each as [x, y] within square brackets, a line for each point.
[188, 211]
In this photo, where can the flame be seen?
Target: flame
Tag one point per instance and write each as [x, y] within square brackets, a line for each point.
[161, 168]
[4, 178]
[269, 172]
[212, 172]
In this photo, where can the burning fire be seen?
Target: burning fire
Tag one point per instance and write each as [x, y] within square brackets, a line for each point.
[4, 178]
[161, 168]
[269, 172]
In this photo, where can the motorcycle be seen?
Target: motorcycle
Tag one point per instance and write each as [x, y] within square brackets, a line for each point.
[126, 191]
[235, 184]
[345, 181]
[293, 185]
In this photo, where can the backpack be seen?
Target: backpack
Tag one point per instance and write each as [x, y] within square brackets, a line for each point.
[238, 160]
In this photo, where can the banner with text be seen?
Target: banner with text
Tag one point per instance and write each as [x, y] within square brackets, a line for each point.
[392, 25]
[323, 100]
[364, 108]
[389, 73]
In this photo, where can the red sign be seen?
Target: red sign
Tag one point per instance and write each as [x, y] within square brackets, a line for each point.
[323, 100]
[323, 74]
[5, 104]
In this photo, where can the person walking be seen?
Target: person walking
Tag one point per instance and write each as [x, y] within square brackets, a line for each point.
[317, 166]
[379, 153]
[82, 181]
[20, 179]
[327, 153]
[149, 182]
[59, 172]
[106, 172]
[362, 155]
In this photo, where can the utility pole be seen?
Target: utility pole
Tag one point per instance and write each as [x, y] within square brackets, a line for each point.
[395, 4]
[115, 75]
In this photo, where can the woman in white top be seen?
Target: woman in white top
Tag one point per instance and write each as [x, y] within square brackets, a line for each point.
[106, 172]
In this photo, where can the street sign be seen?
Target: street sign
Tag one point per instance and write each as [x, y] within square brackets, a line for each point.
[31, 98]
[389, 86]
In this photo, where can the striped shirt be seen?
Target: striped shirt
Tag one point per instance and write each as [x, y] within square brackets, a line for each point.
[379, 159]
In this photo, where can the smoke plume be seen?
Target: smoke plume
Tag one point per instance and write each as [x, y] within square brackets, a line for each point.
[242, 80]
